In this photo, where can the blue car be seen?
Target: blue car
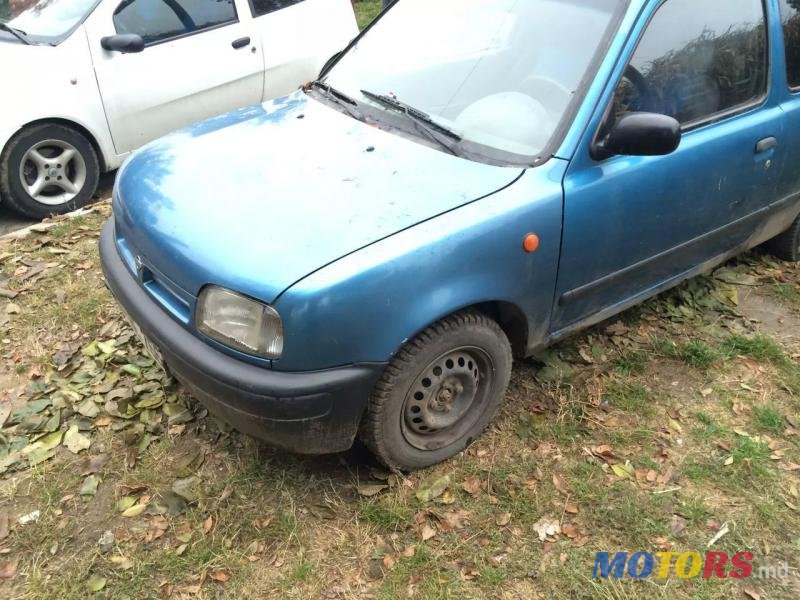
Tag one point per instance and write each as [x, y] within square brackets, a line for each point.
[470, 180]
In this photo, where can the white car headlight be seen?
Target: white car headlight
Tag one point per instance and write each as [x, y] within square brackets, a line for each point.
[240, 322]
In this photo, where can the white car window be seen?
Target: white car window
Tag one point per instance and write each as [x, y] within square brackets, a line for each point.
[159, 20]
[264, 7]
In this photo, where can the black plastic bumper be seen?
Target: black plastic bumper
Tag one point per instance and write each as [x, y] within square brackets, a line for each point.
[310, 413]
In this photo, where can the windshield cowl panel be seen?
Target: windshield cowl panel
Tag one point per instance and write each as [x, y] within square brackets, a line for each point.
[504, 76]
[45, 21]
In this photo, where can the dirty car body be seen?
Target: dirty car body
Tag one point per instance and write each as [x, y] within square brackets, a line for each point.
[403, 188]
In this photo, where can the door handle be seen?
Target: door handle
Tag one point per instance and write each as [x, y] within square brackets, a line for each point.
[240, 43]
[766, 144]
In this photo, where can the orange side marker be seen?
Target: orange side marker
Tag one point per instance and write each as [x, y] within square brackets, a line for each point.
[531, 243]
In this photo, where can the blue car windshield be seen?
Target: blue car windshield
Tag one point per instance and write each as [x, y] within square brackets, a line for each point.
[500, 74]
[45, 21]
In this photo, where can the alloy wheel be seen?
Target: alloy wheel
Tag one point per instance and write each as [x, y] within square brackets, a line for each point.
[53, 172]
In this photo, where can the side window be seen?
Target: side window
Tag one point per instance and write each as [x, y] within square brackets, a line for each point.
[697, 58]
[790, 15]
[158, 20]
[263, 7]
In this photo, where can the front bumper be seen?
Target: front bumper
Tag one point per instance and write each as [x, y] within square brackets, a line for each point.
[314, 412]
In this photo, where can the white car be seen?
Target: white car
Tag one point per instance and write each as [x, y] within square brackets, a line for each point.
[85, 82]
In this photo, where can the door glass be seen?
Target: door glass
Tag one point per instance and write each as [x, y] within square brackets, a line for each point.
[263, 7]
[158, 20]
[697, 60]
[790, 15]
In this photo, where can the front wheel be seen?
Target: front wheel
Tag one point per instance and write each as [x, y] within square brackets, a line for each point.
[48, 170]
[439, 392]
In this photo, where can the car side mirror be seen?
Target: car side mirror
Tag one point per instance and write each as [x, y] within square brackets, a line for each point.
[126, 43]
[640, 134]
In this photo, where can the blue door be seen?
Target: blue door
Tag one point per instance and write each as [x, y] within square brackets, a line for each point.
[632, 225]
[787, 78]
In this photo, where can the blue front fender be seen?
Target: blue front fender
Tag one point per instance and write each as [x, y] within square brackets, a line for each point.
[363, 307]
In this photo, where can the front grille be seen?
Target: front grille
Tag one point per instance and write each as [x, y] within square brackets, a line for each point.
[164, 291]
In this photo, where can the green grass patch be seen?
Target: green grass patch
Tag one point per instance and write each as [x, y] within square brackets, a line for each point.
[385, 518]
[632, 362]
[788, 292]
[627, 396]
[694, 353]
[759, 347]
[366, 10]
[768, 418]
[709, 428]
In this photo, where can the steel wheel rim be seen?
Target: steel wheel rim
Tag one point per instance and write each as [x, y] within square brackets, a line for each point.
[53, 172]
[447, 398]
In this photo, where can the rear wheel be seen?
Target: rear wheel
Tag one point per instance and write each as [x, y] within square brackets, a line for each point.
[439, 393]
[48, 170]
[786, 246]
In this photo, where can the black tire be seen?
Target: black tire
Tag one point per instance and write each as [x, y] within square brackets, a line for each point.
[428, 383]
[786, 246]
[12, 186]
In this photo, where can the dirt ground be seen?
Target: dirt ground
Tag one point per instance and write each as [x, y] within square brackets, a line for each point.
[669, 426]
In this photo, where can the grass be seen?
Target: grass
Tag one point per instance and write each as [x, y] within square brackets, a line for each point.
[768, 418]
[789, 293]
[366, 10]
[627, 396]
[695, 353]
[632, 362]
[268, 524]
[758, 347]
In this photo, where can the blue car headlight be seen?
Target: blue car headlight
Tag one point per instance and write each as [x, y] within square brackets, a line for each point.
[242, 323]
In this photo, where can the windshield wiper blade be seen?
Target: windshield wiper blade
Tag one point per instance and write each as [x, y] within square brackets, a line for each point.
[332, 91]
[412, 112]
[17, 33]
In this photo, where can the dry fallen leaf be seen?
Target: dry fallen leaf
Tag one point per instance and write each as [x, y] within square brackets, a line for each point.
[208, 524]
[220, 576]
[371, 489]
[432, 487]
[558, 482]
[678, 525]
[453, 520]
[471, 485]
[158, 525]
[8, 568]
[388, 562]
[503, 519]
[427, 532]
[570, 530]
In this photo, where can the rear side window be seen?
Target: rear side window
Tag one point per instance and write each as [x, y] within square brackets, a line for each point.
[158, 20]
[790, 15]
[263, 7]
[697, 59]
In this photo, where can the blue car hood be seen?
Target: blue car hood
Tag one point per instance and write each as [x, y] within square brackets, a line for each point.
[257, 199]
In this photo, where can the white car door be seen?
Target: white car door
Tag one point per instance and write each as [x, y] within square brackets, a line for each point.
[200, 60]
[298, 37]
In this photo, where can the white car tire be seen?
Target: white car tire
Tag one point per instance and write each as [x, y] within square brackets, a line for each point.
[48, 169]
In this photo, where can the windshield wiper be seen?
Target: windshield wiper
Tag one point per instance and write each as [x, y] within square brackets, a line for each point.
[340, 98]
[412, 112]
[332, 91]
[17, 33]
